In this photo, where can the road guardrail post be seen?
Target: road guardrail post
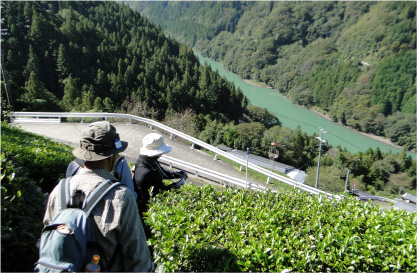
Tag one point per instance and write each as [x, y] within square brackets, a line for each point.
[40, 117]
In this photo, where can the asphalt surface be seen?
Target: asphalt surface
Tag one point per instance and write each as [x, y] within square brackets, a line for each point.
[69, 133]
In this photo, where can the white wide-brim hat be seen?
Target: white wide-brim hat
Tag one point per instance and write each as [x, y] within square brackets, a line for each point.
[154, 145]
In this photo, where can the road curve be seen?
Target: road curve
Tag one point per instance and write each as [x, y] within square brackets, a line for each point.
[69, 133]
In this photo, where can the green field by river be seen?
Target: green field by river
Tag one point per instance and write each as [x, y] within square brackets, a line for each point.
[291, 115]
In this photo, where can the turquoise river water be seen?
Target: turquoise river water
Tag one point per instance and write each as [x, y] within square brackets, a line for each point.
[291, 115]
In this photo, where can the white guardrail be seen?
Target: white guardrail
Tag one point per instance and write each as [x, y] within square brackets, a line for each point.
[55, 117]
[198, 170]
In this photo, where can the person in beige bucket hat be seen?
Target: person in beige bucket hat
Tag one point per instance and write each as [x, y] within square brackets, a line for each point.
[99, 141]
[120, 237]
[149, 173]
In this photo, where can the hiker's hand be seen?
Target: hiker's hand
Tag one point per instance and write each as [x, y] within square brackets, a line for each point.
[176, 185]
[184, 174]
[179, 184]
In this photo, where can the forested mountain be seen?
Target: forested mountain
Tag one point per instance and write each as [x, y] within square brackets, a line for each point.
[102, 56]
[354, 60]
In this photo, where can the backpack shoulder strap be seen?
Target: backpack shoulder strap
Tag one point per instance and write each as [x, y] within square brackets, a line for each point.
[97, 194]
[119, 159]
[119, 169]
[64, 193]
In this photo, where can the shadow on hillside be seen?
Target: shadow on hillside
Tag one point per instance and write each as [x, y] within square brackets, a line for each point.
[212, 259]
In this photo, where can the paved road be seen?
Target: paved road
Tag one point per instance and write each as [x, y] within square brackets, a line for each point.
[69, 133]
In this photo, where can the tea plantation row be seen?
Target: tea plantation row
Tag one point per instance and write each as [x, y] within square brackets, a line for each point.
[30, 166]
[206, 229]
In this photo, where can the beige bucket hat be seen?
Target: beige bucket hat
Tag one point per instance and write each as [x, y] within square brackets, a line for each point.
[99, 141]
[154, 145]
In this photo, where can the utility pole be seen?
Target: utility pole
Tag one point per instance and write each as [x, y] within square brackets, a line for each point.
[318, 167]
[273, 154]
[347, 181]
[4, 32]
[248, 151]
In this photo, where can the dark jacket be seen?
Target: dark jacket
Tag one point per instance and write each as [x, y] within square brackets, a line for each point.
[148, 173]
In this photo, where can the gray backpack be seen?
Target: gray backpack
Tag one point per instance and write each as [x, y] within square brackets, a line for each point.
[68, 243]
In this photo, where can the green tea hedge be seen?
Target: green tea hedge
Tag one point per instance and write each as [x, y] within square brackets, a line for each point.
[204, 229]
[22, 208]
[28, 162]
[45, 161]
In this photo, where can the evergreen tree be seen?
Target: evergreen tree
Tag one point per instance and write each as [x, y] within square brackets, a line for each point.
[70, 93]
[63, 63]
[32, 64]
[87, 97]
[108, 105]
[35, 89]
[98, 105]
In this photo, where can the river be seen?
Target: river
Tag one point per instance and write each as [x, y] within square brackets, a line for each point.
[292, 116]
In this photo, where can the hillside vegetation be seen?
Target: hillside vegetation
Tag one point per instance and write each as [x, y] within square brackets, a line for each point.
[102, 56]
[207, 229]
[354, 60]
[30, 166]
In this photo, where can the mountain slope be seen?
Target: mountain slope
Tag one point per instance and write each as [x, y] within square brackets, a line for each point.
[102, 56]
[317, 53]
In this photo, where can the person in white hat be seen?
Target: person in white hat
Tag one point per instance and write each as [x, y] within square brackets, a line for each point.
[149, 173]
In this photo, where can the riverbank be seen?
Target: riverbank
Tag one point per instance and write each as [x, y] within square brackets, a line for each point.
[257, 84]
[375, 137]
[325, 116]
[293, 116]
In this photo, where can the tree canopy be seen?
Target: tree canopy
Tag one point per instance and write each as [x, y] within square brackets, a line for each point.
[83, 56]
[355, 60]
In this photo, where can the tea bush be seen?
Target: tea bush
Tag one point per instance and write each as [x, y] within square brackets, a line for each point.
[21, 217]
[28, 162]
[45, 161]
[204, 229]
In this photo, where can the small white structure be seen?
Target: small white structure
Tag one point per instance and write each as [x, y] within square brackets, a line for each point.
[297, 175]
[409, 198]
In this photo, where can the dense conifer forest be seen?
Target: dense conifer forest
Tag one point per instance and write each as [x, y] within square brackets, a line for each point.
[354, 60]
[102, 56]
[105, 57]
